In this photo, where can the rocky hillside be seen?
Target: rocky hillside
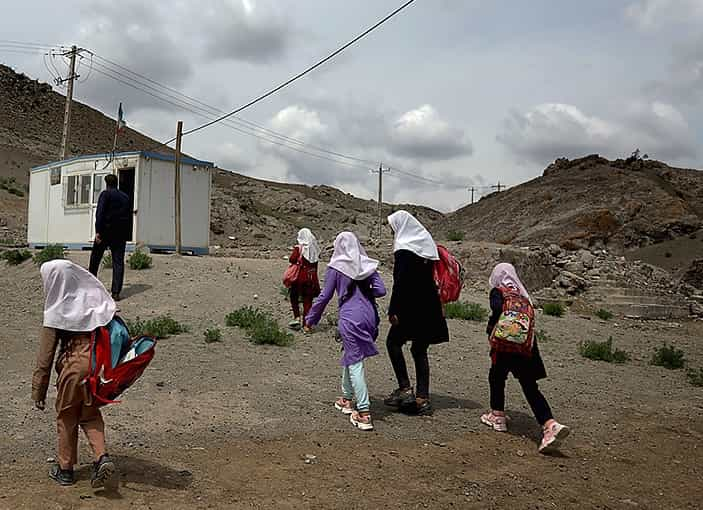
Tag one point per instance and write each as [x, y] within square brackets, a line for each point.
[248, 215]
[590, 203]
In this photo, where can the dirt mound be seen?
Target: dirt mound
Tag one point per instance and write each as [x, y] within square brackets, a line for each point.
[590, 203]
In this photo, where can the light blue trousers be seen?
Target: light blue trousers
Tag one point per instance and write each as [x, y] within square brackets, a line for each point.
[354, 385]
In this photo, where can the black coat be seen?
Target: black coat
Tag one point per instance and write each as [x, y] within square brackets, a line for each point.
[113, 217]
[519, 365]
[415, 301]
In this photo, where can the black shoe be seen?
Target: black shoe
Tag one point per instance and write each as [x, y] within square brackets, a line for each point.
[61, 476]
[102, 472]
[424, 409]
[399, 396]
[116, 297]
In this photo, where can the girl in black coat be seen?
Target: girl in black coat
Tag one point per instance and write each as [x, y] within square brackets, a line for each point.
[415, 312]
[526, 368]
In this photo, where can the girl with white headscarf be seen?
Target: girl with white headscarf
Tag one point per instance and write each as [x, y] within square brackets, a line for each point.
[526, 368]
[415, 311]
[353, 275]
[306, 287]
[76, 304]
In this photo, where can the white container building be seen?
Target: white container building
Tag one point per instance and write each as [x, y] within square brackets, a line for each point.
[63, 197]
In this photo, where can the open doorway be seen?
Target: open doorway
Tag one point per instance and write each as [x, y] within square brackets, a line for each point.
[126, 185]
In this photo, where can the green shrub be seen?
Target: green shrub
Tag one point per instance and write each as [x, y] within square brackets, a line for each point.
[284, 291]
[139, 260]
[268, 332]
[159, 327]
[455, 235]
[50, 252]
[554, 309]
[603, 351]
[245, 317]
[15, 257]
[107, 261]
[668, 356]
[16, 191]
[604, 314]
[695, 376]
[465, 311]
[541, 336]
[212, 335]
[260, 326]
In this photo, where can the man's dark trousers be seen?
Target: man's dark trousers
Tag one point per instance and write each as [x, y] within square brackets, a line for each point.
[117, 249]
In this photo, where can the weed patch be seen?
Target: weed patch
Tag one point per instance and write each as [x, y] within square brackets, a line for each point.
[15, 257]
[139, 260]
[668, 356]
[455, 235]
[107, 261]
[261, 328]
[465, 311]
[50, 252]
[554, 309]
[603, 351]
[604, 314]
[159, 327]
[212, 335]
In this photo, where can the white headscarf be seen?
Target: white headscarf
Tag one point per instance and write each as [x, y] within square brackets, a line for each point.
[350, 258]
[309, 247]
[75, 299]
[411, 235]
[504, 275]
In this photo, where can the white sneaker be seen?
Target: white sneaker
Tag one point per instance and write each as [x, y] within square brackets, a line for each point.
[361, 422]
[552, 437]
[499, 423]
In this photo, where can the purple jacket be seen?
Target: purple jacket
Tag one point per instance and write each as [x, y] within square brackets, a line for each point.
[357, 318]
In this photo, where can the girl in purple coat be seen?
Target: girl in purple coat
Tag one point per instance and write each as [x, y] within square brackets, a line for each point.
[354, 276]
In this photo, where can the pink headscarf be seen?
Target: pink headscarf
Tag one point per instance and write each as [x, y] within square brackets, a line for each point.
[504, 275]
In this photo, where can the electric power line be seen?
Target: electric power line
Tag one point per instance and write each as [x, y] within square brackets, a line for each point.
[297, 76]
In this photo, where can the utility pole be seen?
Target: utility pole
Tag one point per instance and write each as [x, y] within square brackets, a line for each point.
[472, 189]
[380, 198]
[177, 175]
[69, 99]
[498, 186]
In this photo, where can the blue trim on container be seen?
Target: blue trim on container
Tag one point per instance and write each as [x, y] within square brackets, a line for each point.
[130, 247]
[146, 154]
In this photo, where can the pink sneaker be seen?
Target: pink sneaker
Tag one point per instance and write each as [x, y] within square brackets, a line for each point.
[498, 422]
[554, 434]
[362, 422]
[344, 405]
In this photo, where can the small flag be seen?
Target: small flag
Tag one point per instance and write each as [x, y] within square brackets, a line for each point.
[120, 120]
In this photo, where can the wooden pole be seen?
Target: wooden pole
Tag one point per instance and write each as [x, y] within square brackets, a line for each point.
[472, 194]
[380, 201]
[179, 136]
[69, 99]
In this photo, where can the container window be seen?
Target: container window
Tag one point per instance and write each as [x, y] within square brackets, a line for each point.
[71, 190]
[85, 190]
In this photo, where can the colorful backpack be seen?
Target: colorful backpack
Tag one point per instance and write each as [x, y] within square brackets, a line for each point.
[448, 275]
[117, 361]
[514, 330]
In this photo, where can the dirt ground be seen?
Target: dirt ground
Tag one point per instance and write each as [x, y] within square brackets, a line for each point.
[228, 425]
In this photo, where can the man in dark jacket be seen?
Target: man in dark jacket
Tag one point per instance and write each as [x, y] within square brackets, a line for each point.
[113, 227]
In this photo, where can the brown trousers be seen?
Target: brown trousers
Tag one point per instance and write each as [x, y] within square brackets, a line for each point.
[67, 422]
[71, 404]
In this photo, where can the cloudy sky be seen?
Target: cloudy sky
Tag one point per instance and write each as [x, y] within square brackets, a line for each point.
[460, 92]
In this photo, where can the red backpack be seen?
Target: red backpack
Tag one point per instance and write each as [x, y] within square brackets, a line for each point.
[514, 331]
[117, 361]
[448, 275]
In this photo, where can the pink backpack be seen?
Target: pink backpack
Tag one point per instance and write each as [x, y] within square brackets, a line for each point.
[448, 275]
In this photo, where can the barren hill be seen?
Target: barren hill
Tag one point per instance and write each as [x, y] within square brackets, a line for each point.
[590, 202]
[257, 214]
